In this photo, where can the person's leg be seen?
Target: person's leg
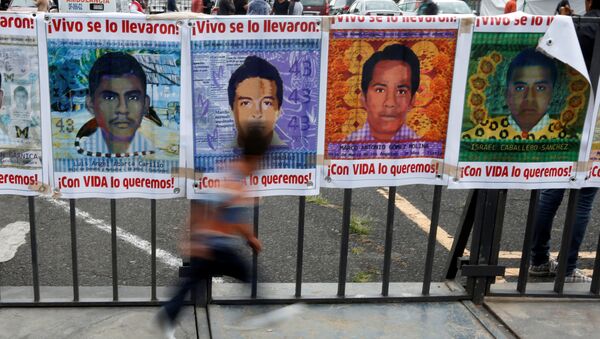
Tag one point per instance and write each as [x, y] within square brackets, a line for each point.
[584, 208]
[198, 271]
[545, 211]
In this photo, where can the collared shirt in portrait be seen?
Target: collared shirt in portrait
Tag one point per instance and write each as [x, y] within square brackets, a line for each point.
[95, 145]
[364, 134]
[506, 128]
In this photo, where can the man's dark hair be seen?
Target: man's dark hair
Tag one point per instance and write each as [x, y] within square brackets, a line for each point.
[20, 89]
[115, 64]
[595, 4]
[255, 67]
[395, 52]
[531, 57]
[563, 3]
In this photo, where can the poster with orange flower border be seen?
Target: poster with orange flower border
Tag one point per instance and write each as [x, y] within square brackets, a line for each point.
[389, 88]
[525, 121]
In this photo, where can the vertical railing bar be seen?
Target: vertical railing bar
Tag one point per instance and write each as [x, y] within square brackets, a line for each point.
[74, 264]
[113, 243]
[34, 257]
[565, 244]
[254, 253]
[344, 242]
[482, 196]
[389, 236]
[497, 236]
[153, 248]
[300, 245]
[595, 286]
[526, 251]
[435, 218]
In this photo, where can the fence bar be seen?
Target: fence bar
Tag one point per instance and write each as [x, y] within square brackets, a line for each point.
[435, 218]
[254, 253]
[526, 251]
[497, 236]
[565, 244]
[113, 243]
[74, 260]
[461, 236]
[153, 248]
[344, 242]
[34, 258]
[482, 196]
[300, 248]
[595, 286]
[487, 227]
[389, 236]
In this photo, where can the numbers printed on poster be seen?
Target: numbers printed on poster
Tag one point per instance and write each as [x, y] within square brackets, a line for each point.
[65, 126]
[300, 96]
[303, 68]
[301, 123]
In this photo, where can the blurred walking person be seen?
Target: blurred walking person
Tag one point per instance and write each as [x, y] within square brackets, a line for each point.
[218, 225]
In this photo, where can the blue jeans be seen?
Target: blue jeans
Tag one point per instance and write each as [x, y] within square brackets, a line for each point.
[548, 203]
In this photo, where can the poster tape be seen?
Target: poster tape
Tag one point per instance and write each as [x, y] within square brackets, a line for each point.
[465, 25]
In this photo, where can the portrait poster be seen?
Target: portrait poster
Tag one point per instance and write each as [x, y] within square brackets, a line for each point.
[389, 89]
[20, 125]
[524, 115]
[256, 71]
[592, 178]
[114, 98]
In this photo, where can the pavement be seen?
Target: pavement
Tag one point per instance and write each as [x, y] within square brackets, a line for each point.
[498, 317]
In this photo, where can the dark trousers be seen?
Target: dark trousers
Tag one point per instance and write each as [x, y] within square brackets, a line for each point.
[225, 262]
[548, 204]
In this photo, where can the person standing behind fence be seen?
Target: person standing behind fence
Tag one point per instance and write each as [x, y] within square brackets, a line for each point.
[550, 199]
[295, 8]
[259, 7]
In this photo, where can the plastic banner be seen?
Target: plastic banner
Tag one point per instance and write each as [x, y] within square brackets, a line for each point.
[524, 122]
[389, 88]
[20, 124]
[114, 98]
[264, 71]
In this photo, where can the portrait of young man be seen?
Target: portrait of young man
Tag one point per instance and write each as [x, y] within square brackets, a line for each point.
[255, 94]
[21, 99]
[390, 79]
[118, 101]
[530, 82]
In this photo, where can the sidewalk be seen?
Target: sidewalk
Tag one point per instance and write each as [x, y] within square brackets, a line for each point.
[525, 317]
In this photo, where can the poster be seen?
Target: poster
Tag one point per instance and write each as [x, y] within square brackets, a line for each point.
[258, 71]
[389, 88]
[114, 98]
[524, 111]
[592, 178]
[20, 125]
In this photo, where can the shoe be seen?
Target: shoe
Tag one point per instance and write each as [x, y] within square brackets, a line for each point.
[577, 276]
[547, 269]
[166, 325]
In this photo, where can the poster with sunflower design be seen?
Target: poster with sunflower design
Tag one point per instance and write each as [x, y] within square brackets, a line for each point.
[389, 87]
[114, 106]
[524, 116]
[20, 127]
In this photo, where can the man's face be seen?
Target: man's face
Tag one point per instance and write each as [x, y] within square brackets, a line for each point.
[388, 98]
[529, 94]
[256, 105]
[21, 99]
[119, 104]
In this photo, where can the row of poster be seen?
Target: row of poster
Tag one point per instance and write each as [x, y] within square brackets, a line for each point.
[125, 106]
